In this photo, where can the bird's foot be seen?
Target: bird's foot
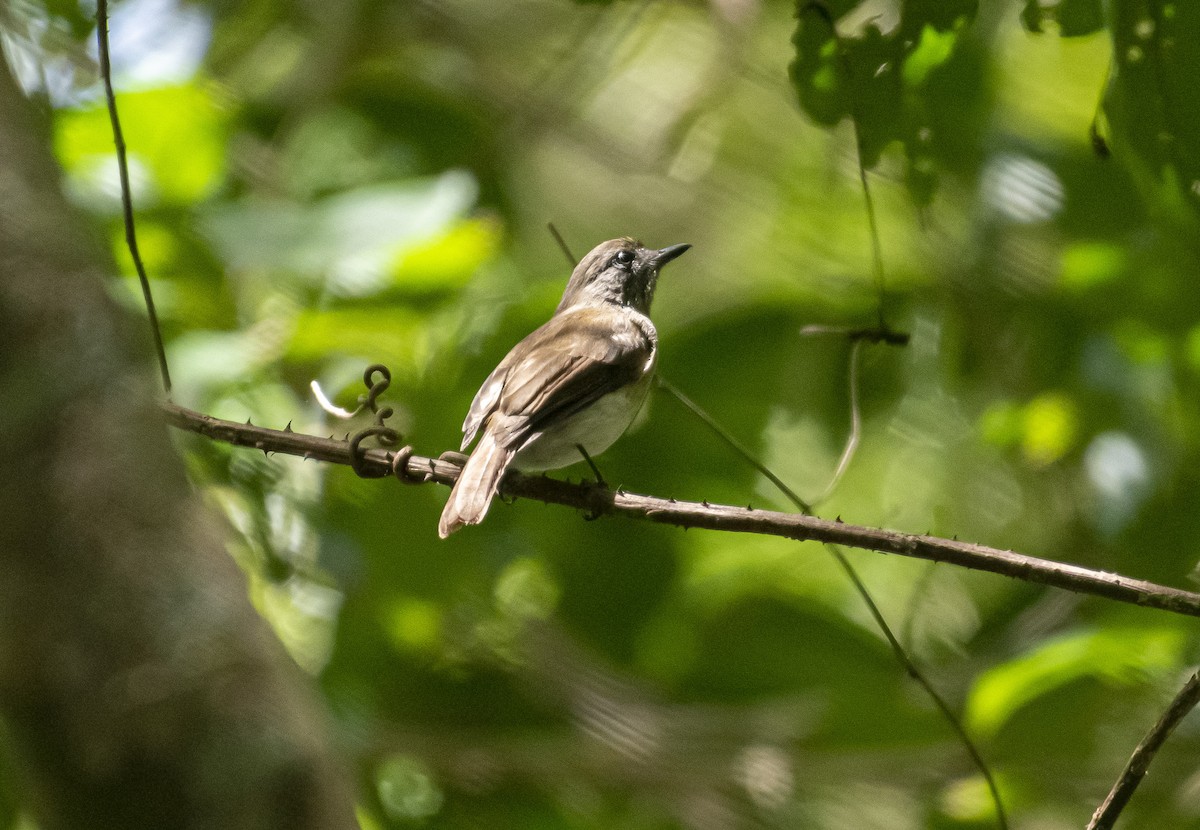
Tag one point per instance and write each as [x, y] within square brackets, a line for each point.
[600, 482]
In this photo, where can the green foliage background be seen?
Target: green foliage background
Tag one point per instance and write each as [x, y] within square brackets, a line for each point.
[334, 185]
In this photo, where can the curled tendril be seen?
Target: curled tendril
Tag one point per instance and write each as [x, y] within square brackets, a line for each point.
[400, 466]
[386, 436]
[358, 455]
[375, 388]
[377, 378]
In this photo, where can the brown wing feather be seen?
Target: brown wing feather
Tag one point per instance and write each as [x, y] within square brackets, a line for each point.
[570, 362]
[485, 401]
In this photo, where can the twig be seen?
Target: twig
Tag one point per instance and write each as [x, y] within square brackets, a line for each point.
[126, 196]
[823, 12]
[734, 444]
[714, 516]
[562, 244]
[1106, 814]
[872, 334]
[914, 671]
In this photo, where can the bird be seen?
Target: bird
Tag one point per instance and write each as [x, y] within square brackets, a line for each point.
[572, 387]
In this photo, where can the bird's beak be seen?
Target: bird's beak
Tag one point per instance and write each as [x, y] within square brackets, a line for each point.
[665, 255]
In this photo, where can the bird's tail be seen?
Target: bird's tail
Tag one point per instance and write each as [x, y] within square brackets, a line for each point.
[476, 485]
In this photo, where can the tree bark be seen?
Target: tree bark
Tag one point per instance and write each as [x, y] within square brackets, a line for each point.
[138, 686]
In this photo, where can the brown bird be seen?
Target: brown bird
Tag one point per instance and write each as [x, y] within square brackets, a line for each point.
[574, 384]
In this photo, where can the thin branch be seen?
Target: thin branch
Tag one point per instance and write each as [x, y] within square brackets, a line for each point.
[872, 223]
[914, 671]
[874, 334]
[126, 196]
[600, 501]
[852, 445]
[562, 244]
[824, 13]
[1106, 814]
[734, 444]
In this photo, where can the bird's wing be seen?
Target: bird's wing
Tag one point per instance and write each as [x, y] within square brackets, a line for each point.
[572, 361]
[485, 401]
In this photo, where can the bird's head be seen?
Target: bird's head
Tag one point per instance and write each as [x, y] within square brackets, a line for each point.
[619, 271]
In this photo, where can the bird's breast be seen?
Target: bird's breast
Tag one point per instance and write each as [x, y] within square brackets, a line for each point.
[596, 428]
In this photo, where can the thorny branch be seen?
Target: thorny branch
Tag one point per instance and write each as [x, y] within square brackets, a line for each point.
[602, 502]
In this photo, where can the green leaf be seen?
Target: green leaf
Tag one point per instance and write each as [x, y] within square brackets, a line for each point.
[1153, 101]
[350, 242]
[448, 259]
[1116, 655]
[407, 789]
[1072, 18]
[1051, 425]
[1087, 264]
[932, 50]
[395, 335]
[414, 624]
[883, 80]
[176, 134]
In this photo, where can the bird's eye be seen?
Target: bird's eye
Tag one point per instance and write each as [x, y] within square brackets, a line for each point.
[623, 257]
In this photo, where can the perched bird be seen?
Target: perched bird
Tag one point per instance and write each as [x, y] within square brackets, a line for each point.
[574, 384]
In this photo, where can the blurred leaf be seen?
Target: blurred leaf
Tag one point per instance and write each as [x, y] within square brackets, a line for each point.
[1002, 423]
[367, 820]
[415, 624]
[969, 800]
[1050, 428]
[526, 591]
[336, 150]
[81, 23]
[449, 259]
[932, 50]
[396, 335]
[1116, 655]
[1085, 265]
[1072, 18]
[156, 245]
[1080, 17]
[1141, 343]
[1152, 101]
[176, 133]
[406, 788]
[204, 360]
[1192, 348]
[345, 242]
[885, 81]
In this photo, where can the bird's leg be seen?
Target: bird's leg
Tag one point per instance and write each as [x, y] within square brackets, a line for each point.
[595, 470]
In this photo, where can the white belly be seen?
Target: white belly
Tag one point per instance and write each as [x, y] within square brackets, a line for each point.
[595, 428]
